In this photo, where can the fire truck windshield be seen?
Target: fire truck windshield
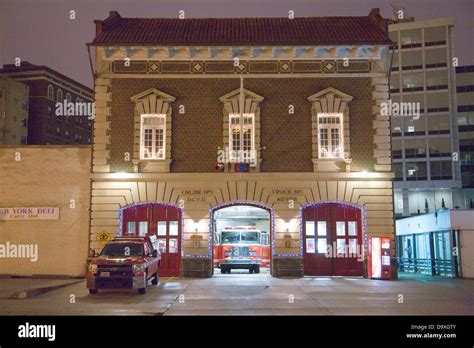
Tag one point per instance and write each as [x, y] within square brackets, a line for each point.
[247, 237]
[234, 237]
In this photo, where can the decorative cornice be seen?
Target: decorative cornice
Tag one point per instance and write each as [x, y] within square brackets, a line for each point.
[373, 52]
[214, 67]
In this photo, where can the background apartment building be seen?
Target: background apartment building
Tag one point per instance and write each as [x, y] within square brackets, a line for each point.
[46, 88]
[13, 112]
[465, 118]
[425, 149]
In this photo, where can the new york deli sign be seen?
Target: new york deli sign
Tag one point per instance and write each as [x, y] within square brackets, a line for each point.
[46, 213]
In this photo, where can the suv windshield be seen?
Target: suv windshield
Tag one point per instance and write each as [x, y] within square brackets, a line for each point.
[234, 237]
[122, 250]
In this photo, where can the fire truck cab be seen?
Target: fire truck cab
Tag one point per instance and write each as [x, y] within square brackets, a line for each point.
[239, 248]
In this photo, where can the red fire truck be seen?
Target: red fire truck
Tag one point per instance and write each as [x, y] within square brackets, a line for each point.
[241, 247]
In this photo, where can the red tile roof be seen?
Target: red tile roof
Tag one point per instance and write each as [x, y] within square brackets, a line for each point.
[116, 30]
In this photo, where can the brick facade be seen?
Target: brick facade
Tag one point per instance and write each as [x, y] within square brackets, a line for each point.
[286, 137]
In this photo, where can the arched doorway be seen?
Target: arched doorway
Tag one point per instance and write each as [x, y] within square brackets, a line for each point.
[241, 235]
[333, 239]
[162, 220]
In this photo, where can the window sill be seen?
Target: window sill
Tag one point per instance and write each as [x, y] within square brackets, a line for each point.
[332, 164]
[151, 166]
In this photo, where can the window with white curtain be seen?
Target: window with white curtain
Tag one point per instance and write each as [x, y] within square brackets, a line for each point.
[237, 152]
[153, 137]
[330, 128]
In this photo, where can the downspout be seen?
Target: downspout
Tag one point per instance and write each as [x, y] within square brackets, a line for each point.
[394, 274]
[91, 160]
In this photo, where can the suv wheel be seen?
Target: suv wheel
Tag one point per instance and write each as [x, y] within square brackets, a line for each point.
[257, 269]
[251, 270]
[155, 279]
[93, 291]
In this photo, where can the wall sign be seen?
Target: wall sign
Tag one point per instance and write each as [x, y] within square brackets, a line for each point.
[22, 213]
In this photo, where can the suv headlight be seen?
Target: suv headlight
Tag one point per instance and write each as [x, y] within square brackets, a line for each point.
[92, 268]
[138, 268]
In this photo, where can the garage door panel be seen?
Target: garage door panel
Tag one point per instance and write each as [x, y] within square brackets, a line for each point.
[332, 240]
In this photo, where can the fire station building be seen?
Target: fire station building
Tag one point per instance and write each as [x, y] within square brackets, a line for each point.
[272, 123]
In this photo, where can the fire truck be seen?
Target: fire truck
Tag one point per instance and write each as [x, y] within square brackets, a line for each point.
[241, 247]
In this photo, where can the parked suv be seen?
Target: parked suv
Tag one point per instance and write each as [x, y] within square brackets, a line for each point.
[125, 263]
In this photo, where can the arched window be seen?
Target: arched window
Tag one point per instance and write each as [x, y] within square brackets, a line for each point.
[59, 96]
[50, 92]
[68, 97]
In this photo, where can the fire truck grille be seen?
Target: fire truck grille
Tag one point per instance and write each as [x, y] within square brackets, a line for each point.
[240, 252]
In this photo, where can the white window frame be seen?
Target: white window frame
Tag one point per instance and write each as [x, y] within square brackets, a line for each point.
[329, 127]
[248, 157]
[153, 128]
[50, 93]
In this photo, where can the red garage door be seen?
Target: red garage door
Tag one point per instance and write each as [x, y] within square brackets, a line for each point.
[164, 222]
[332, 240]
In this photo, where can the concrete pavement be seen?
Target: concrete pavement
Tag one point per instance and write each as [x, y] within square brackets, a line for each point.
[259, 294]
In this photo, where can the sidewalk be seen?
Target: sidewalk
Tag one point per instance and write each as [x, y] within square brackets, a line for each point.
[19, 288]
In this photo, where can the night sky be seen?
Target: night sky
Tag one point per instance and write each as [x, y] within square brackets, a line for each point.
[41, 32]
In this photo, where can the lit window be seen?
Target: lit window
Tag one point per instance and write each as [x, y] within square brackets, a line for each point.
[330, 136]
[153, 137]
[340, 228]
[242, 152]
[131, 227]
[310, 228]
[142, 228]
[50, 92]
